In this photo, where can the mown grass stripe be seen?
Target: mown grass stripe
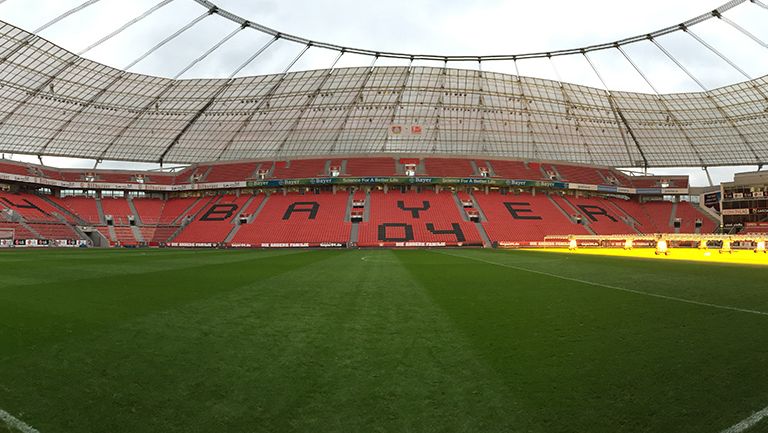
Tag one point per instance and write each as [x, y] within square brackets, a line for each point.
[608, 286]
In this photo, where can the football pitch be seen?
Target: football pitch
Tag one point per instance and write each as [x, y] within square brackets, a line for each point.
[379, 341]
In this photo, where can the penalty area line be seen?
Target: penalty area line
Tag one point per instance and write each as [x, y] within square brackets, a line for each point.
[16, 423]
[608, 286]
[748, 423]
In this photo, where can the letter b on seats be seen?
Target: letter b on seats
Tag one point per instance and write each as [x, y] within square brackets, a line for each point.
[220, 212]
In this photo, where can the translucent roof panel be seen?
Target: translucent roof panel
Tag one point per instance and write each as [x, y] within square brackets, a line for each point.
[53, 102]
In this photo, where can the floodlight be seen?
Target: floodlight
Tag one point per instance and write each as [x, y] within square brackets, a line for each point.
[662, 247]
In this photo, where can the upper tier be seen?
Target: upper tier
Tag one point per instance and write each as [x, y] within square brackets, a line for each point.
[329, 170]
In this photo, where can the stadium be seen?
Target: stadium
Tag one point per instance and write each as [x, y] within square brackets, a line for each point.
[396, 242]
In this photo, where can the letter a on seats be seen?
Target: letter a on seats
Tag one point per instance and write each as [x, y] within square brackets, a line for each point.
[310, 207]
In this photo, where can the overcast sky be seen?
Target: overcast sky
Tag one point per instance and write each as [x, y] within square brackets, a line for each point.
[444, 27]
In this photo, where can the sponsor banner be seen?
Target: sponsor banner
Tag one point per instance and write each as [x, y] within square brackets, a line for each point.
[401, 180]
[192, 245]
[536, 244]
[582, 186]
[735, 212]
[30, 243]
[674, 191]
[258, 245]
[580, 243]
[376, 180]
[603, 188]
[414, 244]
[297, 245]
[756, 224]
[70, 243]
[648, 191]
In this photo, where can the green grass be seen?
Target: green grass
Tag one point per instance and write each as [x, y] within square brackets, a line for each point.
[377, 341]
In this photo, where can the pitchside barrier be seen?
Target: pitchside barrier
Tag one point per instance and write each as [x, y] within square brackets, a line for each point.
[8, 241]
[409, 244]
[660, 241]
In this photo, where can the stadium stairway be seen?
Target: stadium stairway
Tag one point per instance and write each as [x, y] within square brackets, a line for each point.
[601, 218]
[243, 211]
[214, 221]
[641, 220]
[30, 229]
[625, 216]
[100, 211]
[137, 234]
[54, 231]
[111, 231]
[21, 232]
[68, 215]
[415, 217]
[478, 225]
[255, 214]
[570, 212]
[367, 208]
[673, 217]
[83, 208]
[688, 214]
[132, 207]
[524, 218]
[295, 218]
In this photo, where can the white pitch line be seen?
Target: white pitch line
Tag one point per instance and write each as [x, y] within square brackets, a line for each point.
[748, 423]
[16, 423]
[608, 286]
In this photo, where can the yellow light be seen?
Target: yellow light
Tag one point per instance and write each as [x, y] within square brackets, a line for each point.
[661, 247]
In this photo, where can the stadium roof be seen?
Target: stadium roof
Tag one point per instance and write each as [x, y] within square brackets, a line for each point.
[57, 103]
